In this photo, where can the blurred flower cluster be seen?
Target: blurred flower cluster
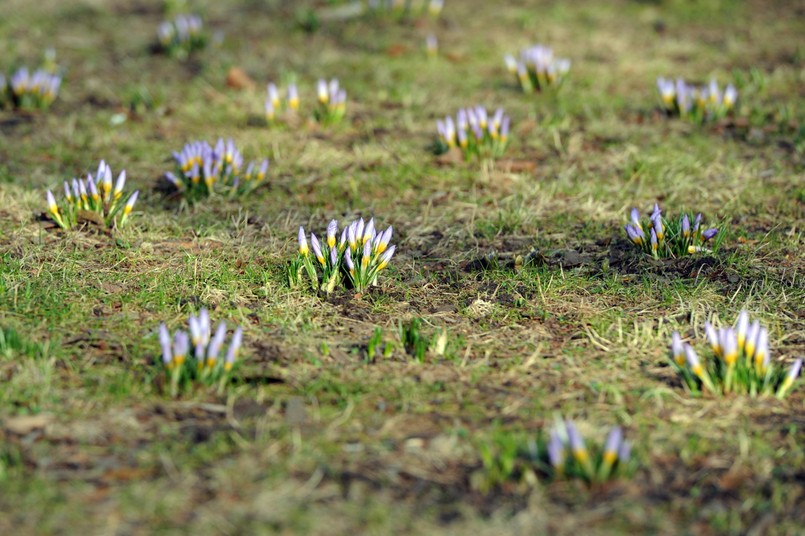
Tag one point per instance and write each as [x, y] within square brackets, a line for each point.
[208, 366]
[182, 36]
[740, 361]
[537, 69]
[28, 91]
[474, 132]
[511, 458]
[357, 257]
[283, 106]
[662, 238]
[276, 105]
[699, 104]
[203, 169]
[94, 199]
[332, 102]
[568, 455]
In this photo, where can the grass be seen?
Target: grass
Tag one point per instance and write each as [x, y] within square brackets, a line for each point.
[524, 262]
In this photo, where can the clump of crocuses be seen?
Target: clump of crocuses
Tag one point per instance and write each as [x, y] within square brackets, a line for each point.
[537, 69]
[663, 238]
[355, 259]
[26, 90]
[475, 132]
[97, 199]
[738, 361]
[569, 456]
[182, 35]
[199, 355]
[699, 104]
[511, 458]
[283, 106]
[332, 102]
[202, 170]
[280, 103]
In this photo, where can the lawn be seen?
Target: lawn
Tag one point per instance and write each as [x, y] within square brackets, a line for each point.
[515, 271]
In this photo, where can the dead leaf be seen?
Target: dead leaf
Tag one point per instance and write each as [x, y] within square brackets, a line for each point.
[516, 166]
[237, 78]
[25, 424]
[396, 50]
[87, 216]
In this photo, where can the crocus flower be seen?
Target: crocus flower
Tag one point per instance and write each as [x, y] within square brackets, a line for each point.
[165, 343]
[790, 377]
[293, 97]
[729, 346]
[635, 234]
[130, 203]
[181, 346]
[712, 337]
[348, 261]
[730, 95]
[332, 229]
[709, 233]
[693, 361]
[762, 347]
[386, 257]
[677, 349]
[576, 443]
[316, 247]
[556, 451]
[751, 338]
[685, 226]
[303, 248]
[612, 445]
[232, 351]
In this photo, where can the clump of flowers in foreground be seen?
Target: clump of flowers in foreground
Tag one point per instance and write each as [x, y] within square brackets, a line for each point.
[203, 169]
[356, 258]
[28, 91]
[208, 365]
[475, 132]
[537, 68]
[699, 104]
[739, 361]
[94, 199]
[182, 36]
[564, 455]
[662, 238]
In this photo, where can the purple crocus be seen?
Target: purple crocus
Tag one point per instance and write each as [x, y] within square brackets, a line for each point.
[386, 257]
[232, 351]
[613, 445]
[348, 261]
[556, 451]
[635, 234]
[677, 349]
[165, 343]
[303, 248]
[332, 230]
[709, 233]
[685, 226]
[316, 247]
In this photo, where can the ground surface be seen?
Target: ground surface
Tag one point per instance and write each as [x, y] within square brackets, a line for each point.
[313, 437]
